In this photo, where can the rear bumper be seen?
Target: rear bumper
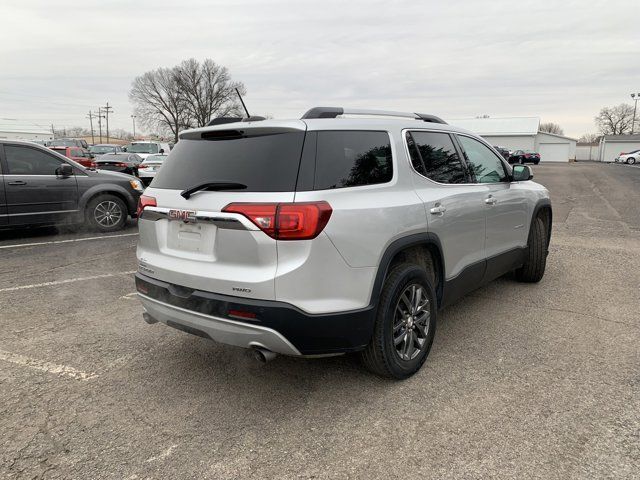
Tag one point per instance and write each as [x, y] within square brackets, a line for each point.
[277, 326]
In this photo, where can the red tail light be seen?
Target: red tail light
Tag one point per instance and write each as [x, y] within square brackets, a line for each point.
[142, 166]
[121, 164]
[286, 221]
[145, 201]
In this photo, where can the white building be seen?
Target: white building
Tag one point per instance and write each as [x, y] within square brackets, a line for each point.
[12, 130]
[521, 133]
[613, 145]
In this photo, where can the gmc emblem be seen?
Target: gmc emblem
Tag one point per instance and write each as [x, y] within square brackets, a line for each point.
[184, 215]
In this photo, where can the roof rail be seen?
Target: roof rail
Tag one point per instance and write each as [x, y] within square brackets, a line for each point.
[333, 112]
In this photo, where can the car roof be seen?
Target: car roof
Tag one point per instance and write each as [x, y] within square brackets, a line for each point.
[346, 123]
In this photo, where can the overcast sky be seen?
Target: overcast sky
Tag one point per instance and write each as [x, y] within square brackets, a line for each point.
[561, 61]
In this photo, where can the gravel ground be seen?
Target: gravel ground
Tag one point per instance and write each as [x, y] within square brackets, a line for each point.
[533, 381]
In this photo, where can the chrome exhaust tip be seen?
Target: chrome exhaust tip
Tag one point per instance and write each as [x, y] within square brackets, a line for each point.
[148, 318]
[262, 355]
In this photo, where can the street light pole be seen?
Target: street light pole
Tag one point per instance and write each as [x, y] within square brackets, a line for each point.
[133, 117]
[635, 107]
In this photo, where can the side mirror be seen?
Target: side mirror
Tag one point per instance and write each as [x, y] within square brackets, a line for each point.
[162, 150]
[64, 170]
[124, 149]
[521, 173]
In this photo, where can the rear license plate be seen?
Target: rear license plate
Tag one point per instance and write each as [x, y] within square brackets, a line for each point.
[191, 237]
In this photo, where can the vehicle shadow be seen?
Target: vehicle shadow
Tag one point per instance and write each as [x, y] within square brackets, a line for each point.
[45, 232]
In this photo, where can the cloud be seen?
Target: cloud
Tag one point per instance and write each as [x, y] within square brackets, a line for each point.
[561, 62]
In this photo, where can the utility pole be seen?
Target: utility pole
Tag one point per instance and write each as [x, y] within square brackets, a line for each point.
[133, 117]
[90, 116]
[100, 117]
[53, 132]
[107, 110]
[635, 107]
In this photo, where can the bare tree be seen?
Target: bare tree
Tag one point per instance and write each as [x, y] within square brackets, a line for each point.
[551, 127]
[589, 138]
[158, 102]
[208, 91]
[615, 120]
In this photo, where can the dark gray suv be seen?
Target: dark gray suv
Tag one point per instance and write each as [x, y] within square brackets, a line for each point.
[41, 187]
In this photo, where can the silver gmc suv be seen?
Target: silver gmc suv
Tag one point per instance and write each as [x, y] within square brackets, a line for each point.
[344, 231]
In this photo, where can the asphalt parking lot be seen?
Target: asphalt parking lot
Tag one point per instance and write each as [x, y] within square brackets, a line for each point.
[529, 381]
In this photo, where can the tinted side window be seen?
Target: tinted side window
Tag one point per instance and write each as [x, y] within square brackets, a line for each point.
[434, 156]
[352, 158]
[29, 161]
[483, 163]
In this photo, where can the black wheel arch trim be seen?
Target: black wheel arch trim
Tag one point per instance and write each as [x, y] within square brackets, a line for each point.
[413, 240]
[543, 203]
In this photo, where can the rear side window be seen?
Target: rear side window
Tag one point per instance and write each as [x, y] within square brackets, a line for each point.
[434, 156]
[352, 158]
[265, 160]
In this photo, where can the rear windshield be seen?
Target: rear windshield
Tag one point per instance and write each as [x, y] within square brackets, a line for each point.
[266, 161]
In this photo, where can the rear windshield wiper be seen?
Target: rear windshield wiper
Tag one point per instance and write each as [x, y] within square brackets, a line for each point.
[186, 193]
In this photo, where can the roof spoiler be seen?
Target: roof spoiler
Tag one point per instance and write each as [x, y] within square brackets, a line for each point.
[333, 112]
[223, 120]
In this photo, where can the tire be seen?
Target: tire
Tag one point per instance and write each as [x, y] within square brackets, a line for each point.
[106, 213]
[536, 162]
[536, 258]
[382, 356]
[631, 160]
[521, 161]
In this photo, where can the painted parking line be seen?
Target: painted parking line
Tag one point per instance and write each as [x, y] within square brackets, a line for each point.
[54, 242]
[62, 282]
[43, 366]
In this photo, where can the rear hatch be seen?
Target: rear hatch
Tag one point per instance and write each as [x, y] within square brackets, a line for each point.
[190, 241]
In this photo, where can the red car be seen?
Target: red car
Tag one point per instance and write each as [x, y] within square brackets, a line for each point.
[76, 154]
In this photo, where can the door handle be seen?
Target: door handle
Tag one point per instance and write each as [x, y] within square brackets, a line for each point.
[18, 182]
[438, 210]
[490, 200]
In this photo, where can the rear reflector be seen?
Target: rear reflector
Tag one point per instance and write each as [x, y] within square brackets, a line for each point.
[286, 221]
[145, 201]
[241, 314]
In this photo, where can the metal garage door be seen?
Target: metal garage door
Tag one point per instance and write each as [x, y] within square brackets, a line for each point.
[554, 152]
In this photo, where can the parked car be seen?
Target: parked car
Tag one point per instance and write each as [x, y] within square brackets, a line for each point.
[69, 142]
[39, 186]
[149, 167]
[309, 237]
[629, 158]
[144, 148]
[104, 148]
[119, 162]
[504, 152]
[78, 154]
[524, 156]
